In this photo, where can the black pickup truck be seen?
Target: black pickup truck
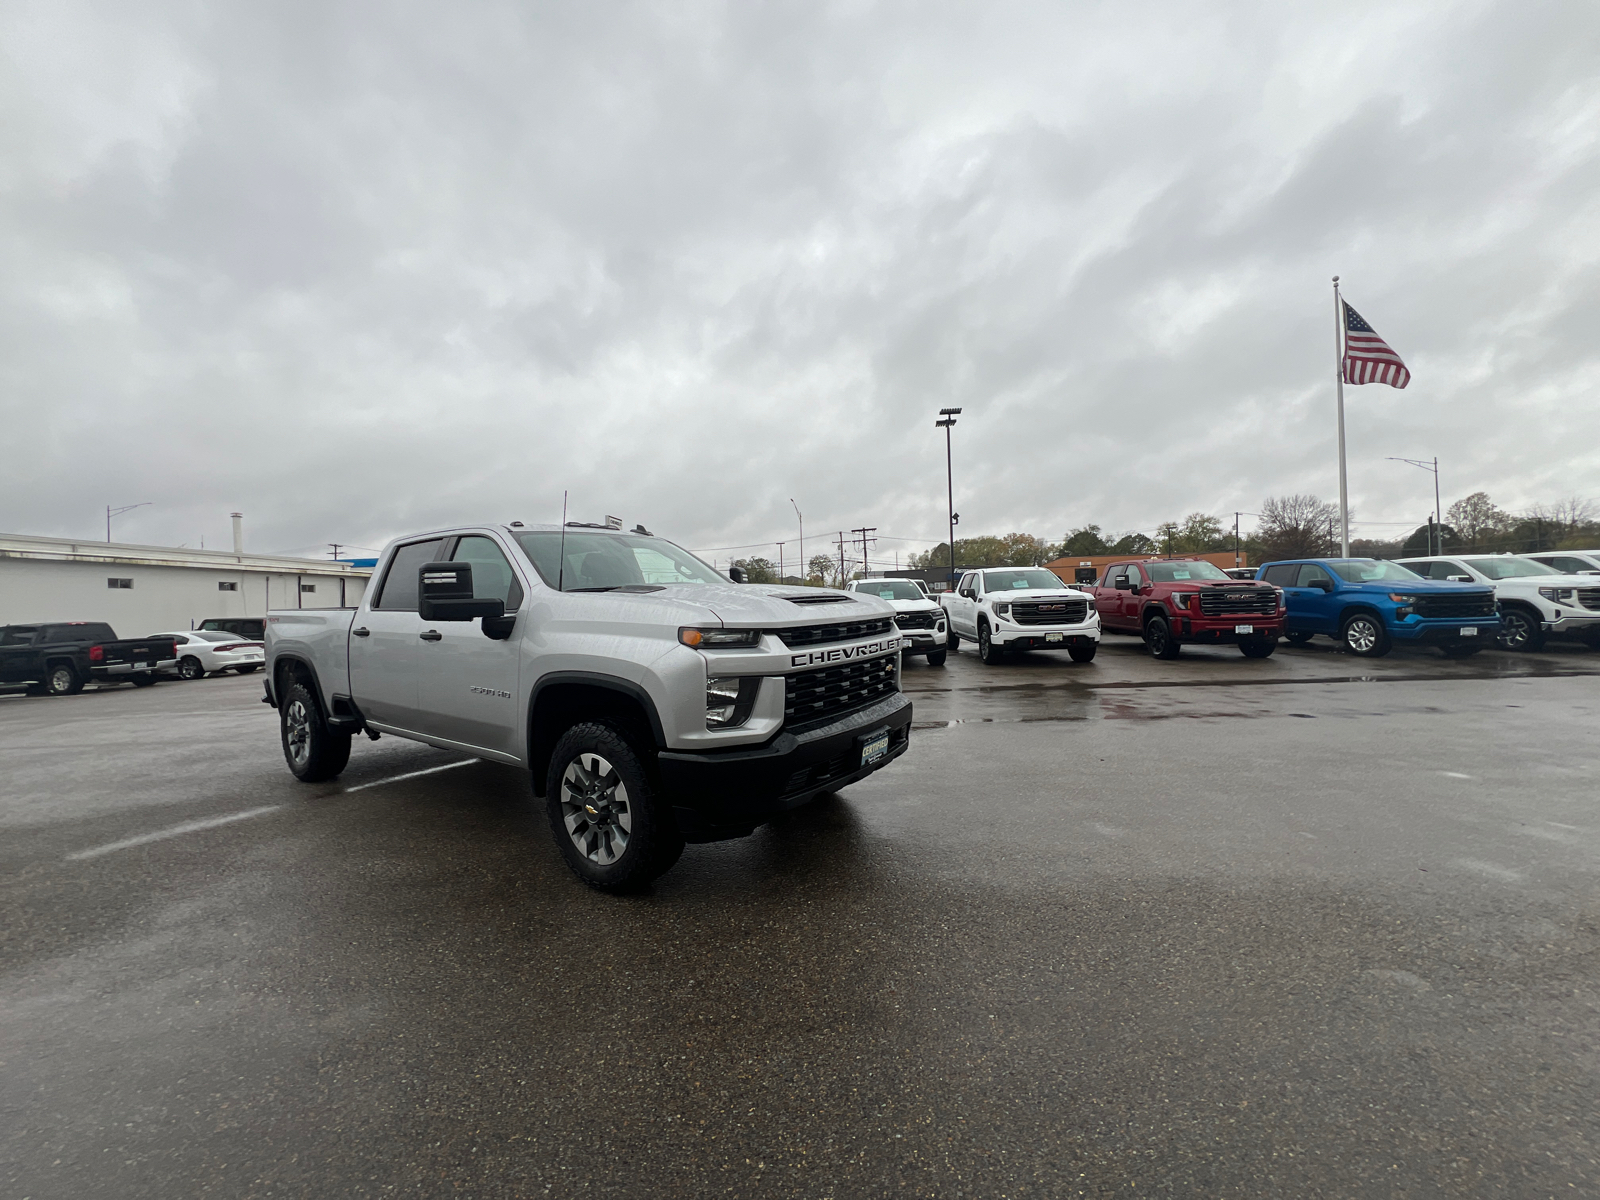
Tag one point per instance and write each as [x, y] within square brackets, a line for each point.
[57, 659]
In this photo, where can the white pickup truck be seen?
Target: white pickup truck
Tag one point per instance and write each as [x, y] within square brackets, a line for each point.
[921, 621]
[654, 701]
[1021, 608]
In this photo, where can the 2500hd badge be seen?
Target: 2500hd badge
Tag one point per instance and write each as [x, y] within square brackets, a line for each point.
[841, 653]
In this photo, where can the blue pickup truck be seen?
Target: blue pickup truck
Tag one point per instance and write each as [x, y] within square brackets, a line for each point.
[1368, 606]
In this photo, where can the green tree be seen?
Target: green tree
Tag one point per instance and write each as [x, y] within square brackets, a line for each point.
[821, 569]
[1476, 518]
[759, 570]
[1083, 542]
[1132, 543]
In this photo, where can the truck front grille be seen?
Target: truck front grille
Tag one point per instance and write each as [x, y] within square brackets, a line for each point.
[817, 635]
[810, 778]
[1473, 604]
[828, 693]
[1589, 597]
[916, 620]
[1051, 612]
[1227, 602]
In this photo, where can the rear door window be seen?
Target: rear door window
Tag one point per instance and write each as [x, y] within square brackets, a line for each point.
[1281, 574]
[399, 587]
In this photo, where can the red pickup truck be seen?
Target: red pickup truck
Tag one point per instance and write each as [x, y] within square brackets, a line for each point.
[1172, 601]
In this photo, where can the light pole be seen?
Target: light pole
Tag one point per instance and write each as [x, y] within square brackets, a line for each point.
[117, 512]
[803, 568]
[949, 415]
[1438, 515]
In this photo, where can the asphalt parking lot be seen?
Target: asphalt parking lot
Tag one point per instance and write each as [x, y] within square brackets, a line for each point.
[1306, 926]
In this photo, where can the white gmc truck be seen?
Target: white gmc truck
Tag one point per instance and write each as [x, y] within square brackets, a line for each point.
[1021, 608]
[654, 701]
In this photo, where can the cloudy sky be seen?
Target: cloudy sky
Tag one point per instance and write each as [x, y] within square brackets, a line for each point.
[360, 269]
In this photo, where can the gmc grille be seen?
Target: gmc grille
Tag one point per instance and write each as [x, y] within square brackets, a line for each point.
[1051, 612]
[817, 635]
[916, 620]
[827, 693]
[1473, 604]
[1226, 602]
[1589, 597]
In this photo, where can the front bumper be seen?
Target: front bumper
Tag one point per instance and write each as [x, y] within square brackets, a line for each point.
[1044, 637]
[717, 794]
[922, 641]
[1581, 623]
[1446, 633]
[1213, 632]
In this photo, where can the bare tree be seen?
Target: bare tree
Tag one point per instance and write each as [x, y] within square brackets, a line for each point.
[1297, 527]
[1476, 518]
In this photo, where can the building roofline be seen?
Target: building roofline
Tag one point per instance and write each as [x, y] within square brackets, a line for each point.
[57, 549]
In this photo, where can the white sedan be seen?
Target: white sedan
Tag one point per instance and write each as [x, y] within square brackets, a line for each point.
[202, 652]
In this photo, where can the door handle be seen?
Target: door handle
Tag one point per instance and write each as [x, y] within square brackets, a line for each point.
[361, 632]
[432, 635]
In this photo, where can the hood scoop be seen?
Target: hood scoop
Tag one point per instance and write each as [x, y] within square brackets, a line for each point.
[836, 598]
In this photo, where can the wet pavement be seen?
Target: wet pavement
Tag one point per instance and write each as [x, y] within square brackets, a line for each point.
[1306, 926]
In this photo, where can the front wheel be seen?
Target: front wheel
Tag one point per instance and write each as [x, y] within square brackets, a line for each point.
[62, 680]
[936, 658]
[987, 650]
[313, 751]
[189, 667]
[1158, 638]
[1519, 630]
[1364, 635]
[952, 643]
[1083, 653]
[612, 829]
[1258, 647]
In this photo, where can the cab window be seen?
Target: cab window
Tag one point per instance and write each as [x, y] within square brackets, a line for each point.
[398, 592]
[1310, 573]
[492, 576]
[1281, 574]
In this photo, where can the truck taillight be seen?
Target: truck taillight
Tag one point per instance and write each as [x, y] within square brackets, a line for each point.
[97, 654]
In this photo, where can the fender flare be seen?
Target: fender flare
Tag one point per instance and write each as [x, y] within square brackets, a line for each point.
[1360, 606]
[611, 683]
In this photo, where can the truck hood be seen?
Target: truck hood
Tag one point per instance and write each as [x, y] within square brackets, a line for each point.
[902, 606]
[1039, 594]
[769, 606]
[1417, 586]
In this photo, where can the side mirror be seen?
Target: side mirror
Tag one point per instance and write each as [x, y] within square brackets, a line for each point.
[737, 575]
[444, 593]
[1322, 585]
[1120, 583]
[1460, 578]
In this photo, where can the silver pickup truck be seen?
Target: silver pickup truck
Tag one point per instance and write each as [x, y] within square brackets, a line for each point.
[654, 700]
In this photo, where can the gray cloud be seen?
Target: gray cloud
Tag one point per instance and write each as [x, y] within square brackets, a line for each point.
[358, 269]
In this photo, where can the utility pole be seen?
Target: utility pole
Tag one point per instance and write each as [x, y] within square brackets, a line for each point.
[949, 415]
[117, 512]
[804, 569]
[866, 567]
[335, 552]
[780, 562]
[1438, 512]
[1236, 561]
[841, 558]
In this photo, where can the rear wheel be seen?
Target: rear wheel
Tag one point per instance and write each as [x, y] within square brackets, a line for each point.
[936, 658]
[1158, 638]
[987, 650]
[1083, 653]
[313, 751]
[189, 667]
[1258, 647]
[1364, 634]
[1519, 630]
[614, 832]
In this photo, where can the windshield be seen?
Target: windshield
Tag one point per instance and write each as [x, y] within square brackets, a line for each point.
[1370, 570]
[1177, 572]
[1509, 567]
[890, 589]
[1031, 577]
[599, 562]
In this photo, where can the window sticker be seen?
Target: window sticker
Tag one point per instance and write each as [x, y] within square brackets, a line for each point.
[1180, 573]
[889, 595]
[1019, 583]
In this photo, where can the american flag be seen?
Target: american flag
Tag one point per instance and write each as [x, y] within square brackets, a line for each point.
[1367, 357]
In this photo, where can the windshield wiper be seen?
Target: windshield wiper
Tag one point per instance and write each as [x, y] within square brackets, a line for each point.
[594, 589]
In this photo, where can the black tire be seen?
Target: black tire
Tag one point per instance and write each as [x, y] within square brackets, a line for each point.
[1083, 653]
[313, 751]
[1298, 638]
[189, 667]
[608, 823]
[1460, 651]
[142, 679]
[249, 669]
[1520, 631]
[1258, 647]
[987, 650]
[936, 658]
[1158, 639]
[952, 643]
[62, 679]
[1363, 634]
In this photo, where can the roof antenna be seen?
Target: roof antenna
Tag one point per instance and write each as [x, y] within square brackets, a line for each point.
[561, 568]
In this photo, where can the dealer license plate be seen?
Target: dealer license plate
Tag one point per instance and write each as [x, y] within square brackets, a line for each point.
[1470, 631]
[875, 748]
[1054, 637]
[1244, 628]
[140, 666]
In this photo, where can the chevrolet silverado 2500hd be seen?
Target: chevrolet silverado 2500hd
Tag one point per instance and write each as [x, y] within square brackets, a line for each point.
[653, 700]
[1173, 602]
[1021, 608]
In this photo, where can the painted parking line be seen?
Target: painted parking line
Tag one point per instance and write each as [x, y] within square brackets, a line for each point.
[172, 831]
[361, 787]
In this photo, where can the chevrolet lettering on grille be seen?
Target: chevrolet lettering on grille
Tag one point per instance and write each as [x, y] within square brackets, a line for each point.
[844, 653]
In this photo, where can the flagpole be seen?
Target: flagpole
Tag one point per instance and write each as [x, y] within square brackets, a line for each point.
[1338, 374]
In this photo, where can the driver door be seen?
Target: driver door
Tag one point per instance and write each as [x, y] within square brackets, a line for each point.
[1312, 608]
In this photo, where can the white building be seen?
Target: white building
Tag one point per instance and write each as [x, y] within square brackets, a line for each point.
[140, 590]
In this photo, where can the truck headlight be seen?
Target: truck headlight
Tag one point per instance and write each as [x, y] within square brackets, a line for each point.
[1002, 609]
[1188, 600]
[1559, 594]
[703, 639]
[729, 700]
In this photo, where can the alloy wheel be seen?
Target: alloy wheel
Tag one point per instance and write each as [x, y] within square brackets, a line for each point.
[297, 732]
[1516, 630]
[60, 681]
[1361, 635]
[595, 808]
